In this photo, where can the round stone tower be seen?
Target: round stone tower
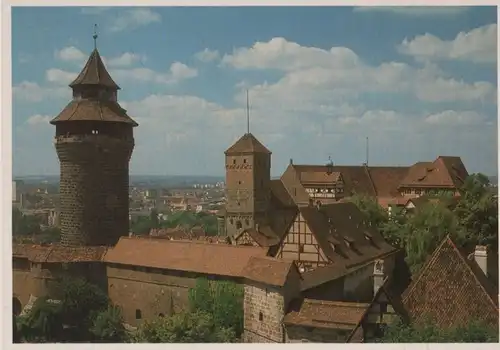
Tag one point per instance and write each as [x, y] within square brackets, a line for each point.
[94, 142]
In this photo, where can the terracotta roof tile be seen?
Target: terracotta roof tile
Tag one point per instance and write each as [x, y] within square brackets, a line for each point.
[247, 144]
[98, 110]
[56, 253]
[268, 270]
[448, 172]
[325, 314]
[387, 179]
[206, 258]
[450, 291]
[319, 177]
[264, 236]
[94, 73]
[280, 196]
[20, 250]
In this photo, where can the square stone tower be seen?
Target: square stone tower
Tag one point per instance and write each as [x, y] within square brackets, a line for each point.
[94, 142]
[248, 179]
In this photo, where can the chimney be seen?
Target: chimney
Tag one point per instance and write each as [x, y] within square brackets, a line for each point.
[291, 161]
[378, 275]
[481, 257]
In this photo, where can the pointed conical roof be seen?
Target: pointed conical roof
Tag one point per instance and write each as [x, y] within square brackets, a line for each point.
[247, 144]
[94, 73]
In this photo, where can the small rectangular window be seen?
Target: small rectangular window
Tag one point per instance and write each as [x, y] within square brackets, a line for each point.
[138, 314]
[261, 316]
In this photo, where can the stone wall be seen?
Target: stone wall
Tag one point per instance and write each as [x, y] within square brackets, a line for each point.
[21, 280]
[94, 189]
[299, 334]
[264, 311]
[145, 293]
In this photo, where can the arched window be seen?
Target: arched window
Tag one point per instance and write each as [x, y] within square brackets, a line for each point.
[261, 316]
[238, 225]
[161, 315]
[138, 314]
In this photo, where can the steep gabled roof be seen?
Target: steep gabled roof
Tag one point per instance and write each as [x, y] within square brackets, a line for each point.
[247, 144]
[447, 172]
[94, 73]
[268, 270]
[451, 290]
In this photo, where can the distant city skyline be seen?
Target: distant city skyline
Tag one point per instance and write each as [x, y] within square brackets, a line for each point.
[417, 86]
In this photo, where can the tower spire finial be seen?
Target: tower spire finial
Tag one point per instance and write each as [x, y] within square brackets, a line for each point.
[95, 36]
[248, 115]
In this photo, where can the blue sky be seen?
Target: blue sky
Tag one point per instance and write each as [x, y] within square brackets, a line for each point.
[419, 82]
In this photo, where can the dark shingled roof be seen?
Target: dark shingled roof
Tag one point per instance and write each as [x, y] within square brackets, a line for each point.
[96, 110]
[56, 253]
[268, 270]
[451, 290]
[94, 73]
[325, 314]
[247, 144]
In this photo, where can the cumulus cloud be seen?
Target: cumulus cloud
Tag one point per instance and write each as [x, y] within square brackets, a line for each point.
[59, 76]
[478, 45]
[28, 91]
[415, 11]
[177, 73]
[135, 18]
[207, 55]
[314, 75]
[125, 60]
[70, 54]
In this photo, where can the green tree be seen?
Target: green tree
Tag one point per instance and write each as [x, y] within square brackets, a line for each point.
[108, 326]
[185, 327]
[374, 213]
[473, 332]
[395, 229]
[223, 300]
[43, 323]
[24, 225]
[425, 230]
[477, 212]
[142, 226]
[153, 218]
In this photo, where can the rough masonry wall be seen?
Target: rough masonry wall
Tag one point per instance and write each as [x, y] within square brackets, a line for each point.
[94, 189]
[151, 291]
[21, 280]
[298, 334]
[268, 303]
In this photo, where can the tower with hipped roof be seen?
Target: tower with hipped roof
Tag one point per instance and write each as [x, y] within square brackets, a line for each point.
[248, 180]
[94, 142]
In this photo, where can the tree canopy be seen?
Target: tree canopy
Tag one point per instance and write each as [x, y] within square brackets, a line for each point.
[470, 220]
[183, 219]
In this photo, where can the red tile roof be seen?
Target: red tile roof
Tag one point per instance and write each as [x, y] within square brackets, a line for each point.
[268, 270]
[444, 172]
[325, 314]
[56, 253]
[247, 144]
[451, 290]
[206, 258]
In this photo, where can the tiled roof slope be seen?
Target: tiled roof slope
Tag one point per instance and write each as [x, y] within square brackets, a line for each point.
[268, 270]
[94, 73]
[443, 172]
[451, 291]
[247, 144]
[84, 110]
[325, 314]
[56, 253]
[206, 258]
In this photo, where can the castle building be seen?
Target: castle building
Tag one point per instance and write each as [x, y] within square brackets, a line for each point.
[94, 142]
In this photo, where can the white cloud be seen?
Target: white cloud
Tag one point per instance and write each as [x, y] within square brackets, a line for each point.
[39, 119]
[416, 11]
[132, 19]
[316, 76]
[177, 73]
[207, 55]
[478, 45]
[59, 76]
[453, 118]
[32, 92]
[70, 54]
[125, 60]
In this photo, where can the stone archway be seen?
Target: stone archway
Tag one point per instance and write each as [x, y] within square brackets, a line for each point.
[17, 307]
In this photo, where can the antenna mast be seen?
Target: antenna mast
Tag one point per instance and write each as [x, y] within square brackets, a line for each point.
[248, 115]
[367, 150]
